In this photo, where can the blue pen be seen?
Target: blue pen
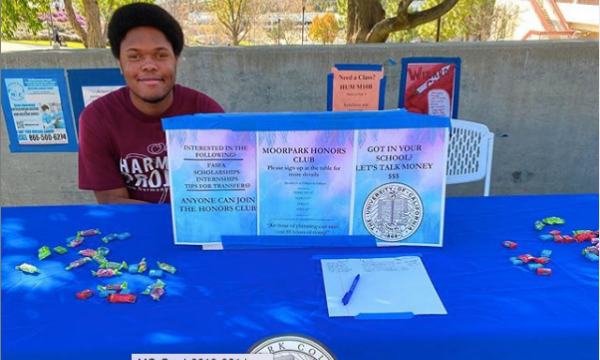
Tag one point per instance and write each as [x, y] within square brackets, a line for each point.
[346, 298]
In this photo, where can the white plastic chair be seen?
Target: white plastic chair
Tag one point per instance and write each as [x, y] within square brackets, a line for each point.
[470, 154]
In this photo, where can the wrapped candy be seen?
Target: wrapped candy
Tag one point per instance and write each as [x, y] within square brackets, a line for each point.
[44, 252]
[60, 250]
[526, 258]
[74, 241]
[114, 265]
[568, 238]
[546, 237]
[591, 257]
[90, 232]
[155, 273]
[509, 244]
[121, 298]
[88, 252]
[156, 291]
[99, 259]
[77, 263]
[133, 269]
[539, 225]
[583, 236]
[123, 236]
[105, 272]
[85, 294]
[515, 261]
[554, 220]
[541, 260]
[591, 250]
[142, 266]
[546, 253]
[27, 268]
[544, 271]
[110, 237]
[102, 251]
[105, 293]
[169, 268]
[115, 287]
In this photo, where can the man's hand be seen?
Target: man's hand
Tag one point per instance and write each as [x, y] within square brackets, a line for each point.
[116, 196]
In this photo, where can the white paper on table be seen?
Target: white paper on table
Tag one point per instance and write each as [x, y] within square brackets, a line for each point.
[387, 285]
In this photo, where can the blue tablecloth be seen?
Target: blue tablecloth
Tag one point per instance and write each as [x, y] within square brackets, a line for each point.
[225, 301]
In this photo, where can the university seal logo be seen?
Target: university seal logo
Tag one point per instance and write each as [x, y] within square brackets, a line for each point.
[393, 212]
[292, 347]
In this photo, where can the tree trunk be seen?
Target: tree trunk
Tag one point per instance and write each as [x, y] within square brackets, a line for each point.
[367, 21]
[74, 23]
[405, 20]
[94, 25]
[362, 17]
[93, 38]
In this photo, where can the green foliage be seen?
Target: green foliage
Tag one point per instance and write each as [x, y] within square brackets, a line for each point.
[342, 10]
[391, 8]
[107, 7]
[22, 12]
[469, 19]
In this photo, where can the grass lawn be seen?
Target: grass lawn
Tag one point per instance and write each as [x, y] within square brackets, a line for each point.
[72, 45]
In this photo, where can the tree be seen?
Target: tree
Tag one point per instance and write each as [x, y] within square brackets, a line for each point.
[92, 37]
[17, 12]
[367, 22]
[27, 13]
[181, 11]
[391, 7]
[282, 30]
[324, 29]
[472, 20]
[235, 16]
[97, 14]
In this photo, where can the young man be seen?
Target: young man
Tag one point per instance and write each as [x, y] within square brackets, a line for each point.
[122, 152]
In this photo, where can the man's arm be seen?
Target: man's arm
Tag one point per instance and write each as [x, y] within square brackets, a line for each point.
[115, 196]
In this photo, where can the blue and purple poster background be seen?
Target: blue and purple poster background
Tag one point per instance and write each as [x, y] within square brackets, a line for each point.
[308, 179]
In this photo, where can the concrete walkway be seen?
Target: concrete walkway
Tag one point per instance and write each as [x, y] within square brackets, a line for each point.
[13, 47]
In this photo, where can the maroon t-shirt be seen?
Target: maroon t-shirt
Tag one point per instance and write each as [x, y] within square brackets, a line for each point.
[119, 146]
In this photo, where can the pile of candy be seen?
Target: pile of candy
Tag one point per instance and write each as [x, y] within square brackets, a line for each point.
[553, 220]
[535, 264]
[115, 293]
[579, 236]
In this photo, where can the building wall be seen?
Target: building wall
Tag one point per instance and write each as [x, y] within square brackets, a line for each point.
[526, 21]
[539, 98]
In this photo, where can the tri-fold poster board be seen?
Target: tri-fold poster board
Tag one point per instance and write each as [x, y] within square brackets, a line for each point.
[374, 178]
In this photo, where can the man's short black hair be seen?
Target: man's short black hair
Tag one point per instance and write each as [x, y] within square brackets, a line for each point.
[135, 15]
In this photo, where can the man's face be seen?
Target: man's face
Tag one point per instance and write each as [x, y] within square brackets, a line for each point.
[149, 66]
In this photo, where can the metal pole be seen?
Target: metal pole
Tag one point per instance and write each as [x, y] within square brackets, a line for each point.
[439, 25]
[278, 31]
[51, 23]
[303, 8]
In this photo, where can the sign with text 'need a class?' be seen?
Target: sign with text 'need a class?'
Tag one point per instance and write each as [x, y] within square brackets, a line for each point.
[356, 87]
[307, 179]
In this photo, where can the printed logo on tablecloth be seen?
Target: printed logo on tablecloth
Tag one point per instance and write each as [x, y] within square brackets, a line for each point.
[393, 212]
[292, 347]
